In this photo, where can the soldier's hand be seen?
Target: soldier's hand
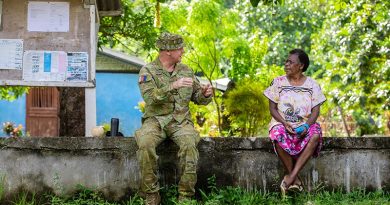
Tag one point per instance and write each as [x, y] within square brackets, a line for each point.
[207, 90]
[182, 82]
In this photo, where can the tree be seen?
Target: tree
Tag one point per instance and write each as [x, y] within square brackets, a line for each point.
[133, 31]
[348, 43]
[281, 27]
[204, 26]
[353, 49]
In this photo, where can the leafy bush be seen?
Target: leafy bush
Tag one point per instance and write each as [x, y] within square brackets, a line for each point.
[12, 93]
[366, 124]
[247, 108]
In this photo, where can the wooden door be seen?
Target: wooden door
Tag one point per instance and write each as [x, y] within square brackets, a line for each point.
[42, 116]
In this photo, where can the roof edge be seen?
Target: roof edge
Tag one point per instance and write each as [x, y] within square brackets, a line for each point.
[121, 56]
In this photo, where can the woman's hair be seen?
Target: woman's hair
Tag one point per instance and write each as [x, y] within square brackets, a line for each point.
[302, 56]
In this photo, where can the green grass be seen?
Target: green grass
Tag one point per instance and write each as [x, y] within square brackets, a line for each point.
[224, 196]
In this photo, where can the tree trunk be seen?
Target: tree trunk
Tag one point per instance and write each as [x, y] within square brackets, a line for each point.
[158, 21]
[344, 122]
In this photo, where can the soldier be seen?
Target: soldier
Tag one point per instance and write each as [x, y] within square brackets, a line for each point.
[167, 87]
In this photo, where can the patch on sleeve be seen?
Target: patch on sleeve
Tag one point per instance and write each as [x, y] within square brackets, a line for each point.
[142, 79]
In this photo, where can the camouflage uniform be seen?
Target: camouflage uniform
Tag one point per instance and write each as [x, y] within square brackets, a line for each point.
[167, 115]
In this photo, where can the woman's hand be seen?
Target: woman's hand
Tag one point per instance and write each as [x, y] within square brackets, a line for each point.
[289, 127]
[273, 108]
[302, 130]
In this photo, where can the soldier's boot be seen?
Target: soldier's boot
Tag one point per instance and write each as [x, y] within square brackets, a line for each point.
[183, 198]
[152, 199]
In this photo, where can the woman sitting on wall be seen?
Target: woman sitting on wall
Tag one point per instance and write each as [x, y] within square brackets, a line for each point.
[294, 103]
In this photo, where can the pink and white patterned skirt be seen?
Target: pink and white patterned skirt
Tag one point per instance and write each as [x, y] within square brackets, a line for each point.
[295, 144]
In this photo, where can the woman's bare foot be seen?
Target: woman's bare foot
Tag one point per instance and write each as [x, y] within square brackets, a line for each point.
[288, 181]
[297, 186]
[298, 181]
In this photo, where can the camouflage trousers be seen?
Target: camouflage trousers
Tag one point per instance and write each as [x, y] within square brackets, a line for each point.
[150, 135]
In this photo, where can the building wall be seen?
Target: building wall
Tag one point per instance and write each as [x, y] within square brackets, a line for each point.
[117, 95]
[109, 165]
[14, 26]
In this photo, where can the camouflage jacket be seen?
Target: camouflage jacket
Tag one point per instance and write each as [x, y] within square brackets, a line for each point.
[161, 100]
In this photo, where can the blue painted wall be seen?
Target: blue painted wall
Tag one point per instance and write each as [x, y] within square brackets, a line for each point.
[14, 112]
[117, 95]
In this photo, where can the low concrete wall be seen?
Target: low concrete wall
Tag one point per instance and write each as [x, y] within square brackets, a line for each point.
[109, 164]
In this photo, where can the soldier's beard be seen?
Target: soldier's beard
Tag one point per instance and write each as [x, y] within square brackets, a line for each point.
[179, 60]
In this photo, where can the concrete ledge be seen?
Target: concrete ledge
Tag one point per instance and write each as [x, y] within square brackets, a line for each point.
[110, 165]
[225, 143]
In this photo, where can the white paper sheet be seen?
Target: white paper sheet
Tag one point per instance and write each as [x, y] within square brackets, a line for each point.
[44, 66]
[11, 54]
[48, 16]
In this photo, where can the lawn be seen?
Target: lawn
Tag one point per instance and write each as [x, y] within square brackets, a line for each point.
[223, 196]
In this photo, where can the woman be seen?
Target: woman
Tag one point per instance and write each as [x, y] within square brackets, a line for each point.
[294, 103]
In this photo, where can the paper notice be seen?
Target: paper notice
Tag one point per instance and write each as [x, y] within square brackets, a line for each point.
[48, 16]
[11, 54]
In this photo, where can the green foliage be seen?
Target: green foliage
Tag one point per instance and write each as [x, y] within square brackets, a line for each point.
[244, 56]
[169, 194]
[248, 108]
[205, 26]
[220, 196]
[2, 186]
[86, 196]
[202, 31]
[256, 2]
[212, 184]
[209, 114]
[358, 196]
[26, 199]
[133, 31]
[11, 93]
[352, 47]
[239, 196]
[365, 122]
[348, 43]
[280, 27]
[174, 15]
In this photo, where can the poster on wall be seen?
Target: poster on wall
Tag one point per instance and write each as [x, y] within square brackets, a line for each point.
[48, 16]
[77, 67]
[44, 65]
[11, 54]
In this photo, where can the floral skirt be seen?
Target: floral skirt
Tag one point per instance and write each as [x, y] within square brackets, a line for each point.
[294, 144]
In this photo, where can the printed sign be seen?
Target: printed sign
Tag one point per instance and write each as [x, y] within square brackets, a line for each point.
[11, 54]
[77, 66]
[44, 66]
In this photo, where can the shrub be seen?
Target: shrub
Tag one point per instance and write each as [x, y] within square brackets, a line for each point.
[247, 108]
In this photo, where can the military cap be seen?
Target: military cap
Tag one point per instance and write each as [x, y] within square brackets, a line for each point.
[169, 41]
